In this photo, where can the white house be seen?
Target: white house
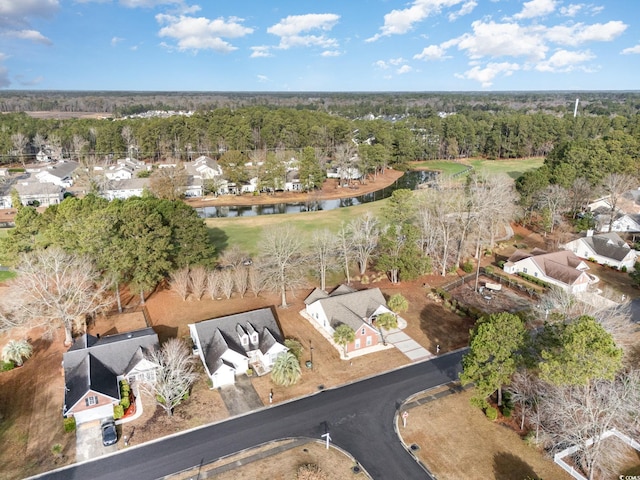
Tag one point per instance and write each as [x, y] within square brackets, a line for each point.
[35, 193]
[605, 249]
[120, 172]
[229, 346]
[60, 174]
[563, 269]
[205, 167]
[93, 368]
[623, 222]
[124, 189]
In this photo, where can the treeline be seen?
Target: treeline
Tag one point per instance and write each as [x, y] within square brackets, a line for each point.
[474, 132]
[349, 104]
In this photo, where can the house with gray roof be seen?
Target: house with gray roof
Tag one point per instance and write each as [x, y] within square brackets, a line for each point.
[345, 305]
[605, 248]
[563, 269]
[229, 346]
[94, 366]
[60, 174]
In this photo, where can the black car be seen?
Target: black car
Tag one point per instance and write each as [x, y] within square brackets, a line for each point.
[109, 433]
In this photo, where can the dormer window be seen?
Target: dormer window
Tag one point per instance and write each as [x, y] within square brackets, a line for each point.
[254, 337]
[244, 339]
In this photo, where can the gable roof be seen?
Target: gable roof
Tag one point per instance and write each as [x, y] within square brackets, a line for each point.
[349, 306]
[564, 266]
[608, 245]
[94, 363]
[62, 170]
[217, 335]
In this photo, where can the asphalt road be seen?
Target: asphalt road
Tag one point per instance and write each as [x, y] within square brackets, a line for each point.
[359, 418]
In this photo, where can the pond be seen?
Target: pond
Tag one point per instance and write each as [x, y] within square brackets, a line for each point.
[409, 180]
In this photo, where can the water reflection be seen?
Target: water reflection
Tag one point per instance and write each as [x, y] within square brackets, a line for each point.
[409, 180]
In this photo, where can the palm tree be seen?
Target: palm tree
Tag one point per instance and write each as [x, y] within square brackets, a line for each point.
[386, 321]
[398, 303]
[344, 335]
[16, 350]
[286, 370]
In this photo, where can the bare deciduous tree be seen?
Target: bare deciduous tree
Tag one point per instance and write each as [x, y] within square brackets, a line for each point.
[241, 279]
[555, 200]
[365, 231]
[282, 259]
[174, 376]
[580, 415]
[55, 288]
[213, 284]
[226, 282]
[616, 184]
[256, 279]
[198, 281]
[323, 253]
[169, 183]
[345, 246]
[179, 282]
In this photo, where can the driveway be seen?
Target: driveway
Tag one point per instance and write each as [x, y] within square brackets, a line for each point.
[241, 397]
[89, 442]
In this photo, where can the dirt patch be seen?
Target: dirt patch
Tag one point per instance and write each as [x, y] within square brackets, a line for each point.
[66, 115]
[488, 301]
[457, 441]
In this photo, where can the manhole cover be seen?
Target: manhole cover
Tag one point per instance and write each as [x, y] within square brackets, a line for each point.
[356, 469]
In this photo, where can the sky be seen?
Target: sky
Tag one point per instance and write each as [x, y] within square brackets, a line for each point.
[319, 45]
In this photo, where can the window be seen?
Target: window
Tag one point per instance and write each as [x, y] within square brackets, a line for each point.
[244, 340]
[89, 401]
[524, 270]
[535, 274]
[357, 343]
[362, 332]
[369, 341]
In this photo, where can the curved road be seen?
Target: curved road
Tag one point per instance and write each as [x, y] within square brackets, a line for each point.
[358, 416]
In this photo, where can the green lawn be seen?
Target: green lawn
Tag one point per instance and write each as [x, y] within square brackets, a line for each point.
[513, 168]
[245, 231]
[446, 167]
[6, 275]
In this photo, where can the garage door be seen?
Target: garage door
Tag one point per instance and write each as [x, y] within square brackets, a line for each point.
[97, 413]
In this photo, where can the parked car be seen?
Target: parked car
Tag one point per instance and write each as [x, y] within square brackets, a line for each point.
[109, 433]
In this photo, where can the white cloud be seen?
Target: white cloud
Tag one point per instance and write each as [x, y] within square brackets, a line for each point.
[116, 40]
[564, 61]
[381, 64]
[149, 3]
[331, 53]
[404, 69]
[397, 61]
[580, 33]
[486, 75]
[631, 50]
[200, 33]
[536, 8]
[502, 39]
[19, 10]
[291, 30]
[398, 22]
[262, 78]
[260, 51]
[432, 52]
[31, 35]
[466, 9]
[571, 10]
